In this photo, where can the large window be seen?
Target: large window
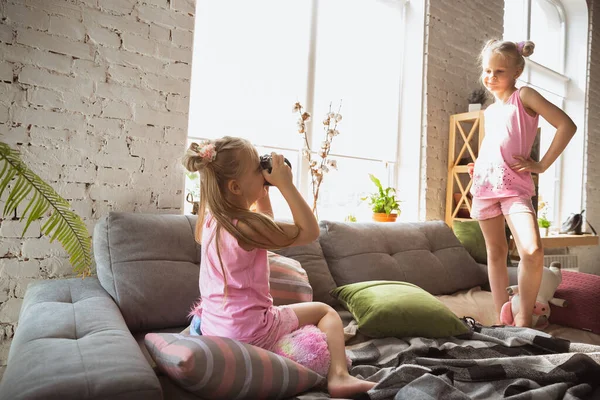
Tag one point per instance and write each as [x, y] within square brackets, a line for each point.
[555, 70]
[254, 60]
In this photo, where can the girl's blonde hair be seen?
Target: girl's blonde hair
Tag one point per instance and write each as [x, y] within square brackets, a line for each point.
[219, 161]
[516, 51]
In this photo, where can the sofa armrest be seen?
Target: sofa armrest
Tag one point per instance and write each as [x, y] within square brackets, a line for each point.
[512, 275]
[72, 343]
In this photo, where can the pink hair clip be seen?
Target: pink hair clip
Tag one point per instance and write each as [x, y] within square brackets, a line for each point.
[207, 151]
[520, 46]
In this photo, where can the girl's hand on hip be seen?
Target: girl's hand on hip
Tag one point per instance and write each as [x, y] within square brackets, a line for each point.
[527, 165]
[280, 174]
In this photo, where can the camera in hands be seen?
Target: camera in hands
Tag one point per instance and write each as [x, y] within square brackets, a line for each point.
[266, 162]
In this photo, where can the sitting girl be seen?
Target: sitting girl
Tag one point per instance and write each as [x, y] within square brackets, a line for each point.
[234, 270]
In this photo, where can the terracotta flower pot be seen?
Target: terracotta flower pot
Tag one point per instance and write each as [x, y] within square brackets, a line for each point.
[383, 217]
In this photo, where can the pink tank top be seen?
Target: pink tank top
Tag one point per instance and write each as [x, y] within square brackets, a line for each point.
[509, 132]
[246, 314]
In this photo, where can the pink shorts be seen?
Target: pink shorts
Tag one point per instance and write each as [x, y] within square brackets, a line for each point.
[286, 321]
[482, 209]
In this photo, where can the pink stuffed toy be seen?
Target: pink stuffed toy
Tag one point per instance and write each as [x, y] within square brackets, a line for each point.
[308, 347]
[551, 279]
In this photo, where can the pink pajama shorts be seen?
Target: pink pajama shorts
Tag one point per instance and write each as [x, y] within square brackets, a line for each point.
[286, 321]
[482, 209]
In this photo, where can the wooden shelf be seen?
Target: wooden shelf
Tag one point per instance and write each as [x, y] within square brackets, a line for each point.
[554, 241]
[466, 134]
[468, 116]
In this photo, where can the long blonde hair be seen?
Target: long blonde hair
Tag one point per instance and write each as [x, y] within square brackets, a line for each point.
[516, 51]
[229, 159]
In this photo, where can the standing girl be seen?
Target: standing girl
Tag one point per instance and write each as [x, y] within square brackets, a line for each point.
[234, 270]
[502, 184]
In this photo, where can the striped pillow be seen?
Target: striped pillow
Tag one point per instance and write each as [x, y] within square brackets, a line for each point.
[289, 282]
[220, 368]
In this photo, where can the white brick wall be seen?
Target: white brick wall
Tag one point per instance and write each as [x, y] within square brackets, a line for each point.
[455, 34]
[94, 93]
[589, 256]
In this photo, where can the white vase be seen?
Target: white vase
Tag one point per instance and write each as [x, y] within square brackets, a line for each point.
[474, 107]
[543, 232]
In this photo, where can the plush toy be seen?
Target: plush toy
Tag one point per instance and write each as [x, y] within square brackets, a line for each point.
[308, 347]
[551, 279]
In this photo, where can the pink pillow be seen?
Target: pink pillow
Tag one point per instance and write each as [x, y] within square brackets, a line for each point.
[583, 308]
[220, 368]
[288, 281]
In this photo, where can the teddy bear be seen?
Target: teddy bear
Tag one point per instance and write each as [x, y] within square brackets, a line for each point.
[551, 279]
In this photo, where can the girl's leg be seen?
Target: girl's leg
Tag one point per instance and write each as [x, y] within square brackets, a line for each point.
[339, 382]
[497, 251]
[527, 237]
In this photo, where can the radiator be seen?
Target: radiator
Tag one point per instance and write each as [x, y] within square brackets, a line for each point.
[567, 261]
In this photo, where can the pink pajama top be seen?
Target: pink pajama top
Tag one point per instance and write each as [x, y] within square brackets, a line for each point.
[509, 132]
[247, 313]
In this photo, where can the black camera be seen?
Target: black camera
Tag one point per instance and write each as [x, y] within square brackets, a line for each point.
[266, 162]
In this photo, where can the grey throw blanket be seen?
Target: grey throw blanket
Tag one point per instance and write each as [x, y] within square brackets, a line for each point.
[487, 363]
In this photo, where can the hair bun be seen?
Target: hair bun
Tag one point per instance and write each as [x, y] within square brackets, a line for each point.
[193, 160]
[526, 48]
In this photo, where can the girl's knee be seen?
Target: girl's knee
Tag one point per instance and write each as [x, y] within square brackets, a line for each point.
[323, 308]
[497, 251]
[532, 254]
[311, 313]
[326, 311]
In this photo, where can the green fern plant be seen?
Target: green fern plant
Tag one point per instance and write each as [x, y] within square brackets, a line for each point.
[63, 224]
[384, 200]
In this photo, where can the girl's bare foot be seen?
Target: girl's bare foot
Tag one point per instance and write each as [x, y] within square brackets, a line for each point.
[346, 385]
[522, 321]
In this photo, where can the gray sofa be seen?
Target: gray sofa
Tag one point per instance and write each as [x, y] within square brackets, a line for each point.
[82, 339]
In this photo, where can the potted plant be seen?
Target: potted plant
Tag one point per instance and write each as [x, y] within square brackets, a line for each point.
[543, 221]
[544, 224]
[383, 202]
[476, 99]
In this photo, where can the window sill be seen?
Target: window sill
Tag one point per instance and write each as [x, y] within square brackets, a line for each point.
[554, 241]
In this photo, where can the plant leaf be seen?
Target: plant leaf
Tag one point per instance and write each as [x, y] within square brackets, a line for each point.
[376, 181]
[63, 224]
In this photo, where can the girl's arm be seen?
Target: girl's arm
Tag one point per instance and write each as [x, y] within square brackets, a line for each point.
[565, 129]
[263, 205]
[305, 228]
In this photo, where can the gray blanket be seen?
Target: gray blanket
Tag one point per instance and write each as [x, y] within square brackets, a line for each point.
[487, 363]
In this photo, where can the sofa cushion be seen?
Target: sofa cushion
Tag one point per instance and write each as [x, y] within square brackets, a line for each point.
[426, 254]
[149, 263]
[313, 262]
[398, 309]
[580, 290]
[470, 236]
[221, 368]
[288, 281]
[74, 323]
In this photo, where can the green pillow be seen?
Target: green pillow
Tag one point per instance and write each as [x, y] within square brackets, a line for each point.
[398, 309]
[470, 235]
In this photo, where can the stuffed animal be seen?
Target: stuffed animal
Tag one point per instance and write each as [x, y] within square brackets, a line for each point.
[308, 347]
[551, 279]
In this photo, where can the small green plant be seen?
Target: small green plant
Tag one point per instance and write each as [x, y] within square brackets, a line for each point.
[477, 96]
[350, 218]
[192, 186]
[543, 222]
[384, 200]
